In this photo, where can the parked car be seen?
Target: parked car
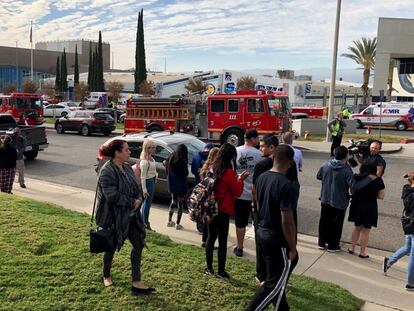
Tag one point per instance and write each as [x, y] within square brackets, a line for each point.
[166, 143]
[86, 122]
[59, 110]
[111, 111]
[35, 135]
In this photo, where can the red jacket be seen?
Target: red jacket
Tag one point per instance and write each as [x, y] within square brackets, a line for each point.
[226, 188]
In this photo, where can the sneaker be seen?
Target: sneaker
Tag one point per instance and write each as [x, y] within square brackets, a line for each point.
[409, 288]
[322, 248]
[386, 265]
[170, 224]
[238, 251]
[223, 275]
[23, 186]
[209, 271]
[334, 250]
[178, 227]
[203, 244]
[107, 281]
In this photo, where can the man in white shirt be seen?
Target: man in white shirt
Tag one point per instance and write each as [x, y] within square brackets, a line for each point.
[247, 157]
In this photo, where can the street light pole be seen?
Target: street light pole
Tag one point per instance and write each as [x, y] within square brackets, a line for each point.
[333, 73]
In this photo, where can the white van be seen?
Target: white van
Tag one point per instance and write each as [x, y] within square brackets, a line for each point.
[92, 102]
[400, 115]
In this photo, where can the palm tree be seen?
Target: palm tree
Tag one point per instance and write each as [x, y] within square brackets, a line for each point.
[363, 53]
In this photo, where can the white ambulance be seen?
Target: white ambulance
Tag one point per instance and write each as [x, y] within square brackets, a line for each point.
[399, 115]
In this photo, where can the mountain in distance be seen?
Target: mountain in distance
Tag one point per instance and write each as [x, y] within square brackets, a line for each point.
[347, 74]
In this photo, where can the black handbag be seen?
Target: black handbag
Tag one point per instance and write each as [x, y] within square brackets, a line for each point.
[100, 240]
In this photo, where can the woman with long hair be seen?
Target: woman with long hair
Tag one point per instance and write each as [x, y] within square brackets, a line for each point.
[177, 172]
[148, 178]
[207, 167]
[227, 187]
[8, 158]
[364, 208]
[118, 203]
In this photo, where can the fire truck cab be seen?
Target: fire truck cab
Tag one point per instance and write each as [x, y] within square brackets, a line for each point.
[220, 117]
[26, 108]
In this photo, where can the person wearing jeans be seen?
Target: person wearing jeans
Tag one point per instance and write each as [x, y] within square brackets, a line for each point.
[408, 248]
[148, 178]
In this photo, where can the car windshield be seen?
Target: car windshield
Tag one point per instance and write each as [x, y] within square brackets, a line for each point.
[70, 104]
[22, 102]
[194, 146]
[71, 114]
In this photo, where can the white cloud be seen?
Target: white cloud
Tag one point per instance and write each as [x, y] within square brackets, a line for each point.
[241, 28]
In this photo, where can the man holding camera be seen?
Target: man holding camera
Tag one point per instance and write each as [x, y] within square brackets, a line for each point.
[374, 157]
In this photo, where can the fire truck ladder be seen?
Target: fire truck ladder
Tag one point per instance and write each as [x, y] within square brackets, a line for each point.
[159, 113]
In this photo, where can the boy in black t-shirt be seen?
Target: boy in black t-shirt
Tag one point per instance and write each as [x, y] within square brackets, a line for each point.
[276, 234]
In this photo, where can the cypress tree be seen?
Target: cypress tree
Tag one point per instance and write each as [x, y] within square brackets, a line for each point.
[101, 85]
[94, 79]
[63, 73]
[76, 73]
[137, 59]
[143, 66]
[90, 67]
[57, 79]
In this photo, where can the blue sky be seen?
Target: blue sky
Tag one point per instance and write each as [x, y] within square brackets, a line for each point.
[205, 34]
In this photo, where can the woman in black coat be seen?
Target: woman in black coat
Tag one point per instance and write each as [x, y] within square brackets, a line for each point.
[364, 208]
[118, 206]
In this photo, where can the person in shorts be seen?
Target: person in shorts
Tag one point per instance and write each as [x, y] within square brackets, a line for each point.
[247, 157]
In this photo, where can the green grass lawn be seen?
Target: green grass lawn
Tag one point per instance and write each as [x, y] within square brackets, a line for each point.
[45, 265]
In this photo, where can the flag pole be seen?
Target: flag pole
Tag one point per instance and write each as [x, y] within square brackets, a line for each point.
[31, 51]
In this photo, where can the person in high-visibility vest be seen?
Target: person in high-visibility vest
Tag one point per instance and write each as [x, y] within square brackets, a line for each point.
[336, 128]
[346, 112]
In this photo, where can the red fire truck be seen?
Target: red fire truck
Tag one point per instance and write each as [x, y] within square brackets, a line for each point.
[220, 117]
[312, 112]
[26, 108]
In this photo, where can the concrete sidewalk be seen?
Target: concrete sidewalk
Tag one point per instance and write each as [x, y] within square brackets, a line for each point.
[362, 277]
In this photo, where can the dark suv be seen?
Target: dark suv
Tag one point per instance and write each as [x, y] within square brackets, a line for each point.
[86, 122]
[166, 143]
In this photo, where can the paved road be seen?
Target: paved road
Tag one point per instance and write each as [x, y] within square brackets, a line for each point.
[70, 161]
[389, 131]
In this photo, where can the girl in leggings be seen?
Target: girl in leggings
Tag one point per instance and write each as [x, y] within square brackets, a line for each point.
[227, 187]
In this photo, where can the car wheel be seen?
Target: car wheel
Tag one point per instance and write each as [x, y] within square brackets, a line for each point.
[64, 114]
[107, 133]
[401, 126]
[30, 155]
[60, 129]
[234, 137]
[85, 130]
[360, 125]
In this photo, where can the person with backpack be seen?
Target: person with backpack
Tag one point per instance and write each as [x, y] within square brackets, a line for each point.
[148, 178]
[227, 187]
[196, 165]
[177, 172]
[207, 167]
[408, 227]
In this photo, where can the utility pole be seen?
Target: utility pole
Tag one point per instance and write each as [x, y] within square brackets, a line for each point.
[165, 64]
[113, 61]
[17, 69]
[31, 51]
[333, 74]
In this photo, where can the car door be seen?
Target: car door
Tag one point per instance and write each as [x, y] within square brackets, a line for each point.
[368, 116]
[160, 155]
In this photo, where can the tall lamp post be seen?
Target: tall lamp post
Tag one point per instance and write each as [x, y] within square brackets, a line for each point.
[333, 73]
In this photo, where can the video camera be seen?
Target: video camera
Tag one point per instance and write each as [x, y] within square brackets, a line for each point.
[360, 147]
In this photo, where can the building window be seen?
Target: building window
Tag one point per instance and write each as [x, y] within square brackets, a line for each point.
[406, 65]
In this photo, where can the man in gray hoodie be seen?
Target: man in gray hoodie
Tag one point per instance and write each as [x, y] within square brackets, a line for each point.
[337, 179]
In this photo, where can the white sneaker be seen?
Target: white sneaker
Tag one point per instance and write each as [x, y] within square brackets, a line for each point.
[170, 224]
[178, 227]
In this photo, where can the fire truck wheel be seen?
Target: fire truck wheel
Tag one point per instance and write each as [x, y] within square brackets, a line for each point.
[234, 137]
[154, 128]
[401, 126]
[60, 129]
[85, 130]
[359, 124]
